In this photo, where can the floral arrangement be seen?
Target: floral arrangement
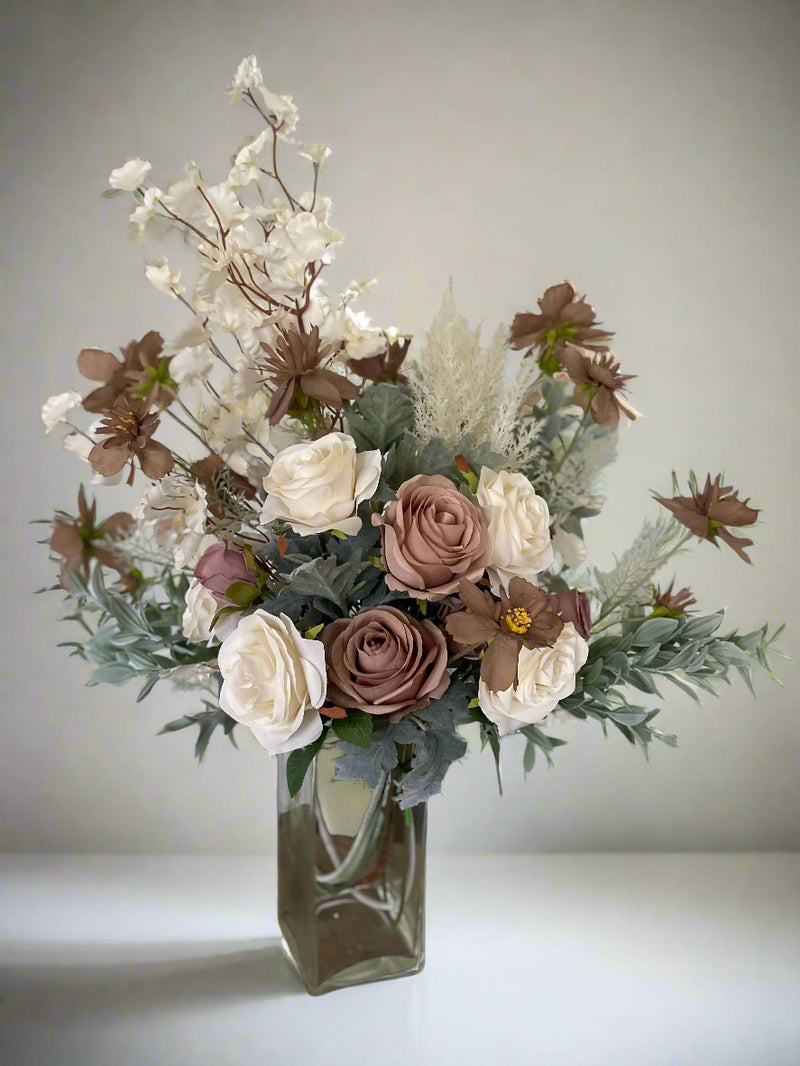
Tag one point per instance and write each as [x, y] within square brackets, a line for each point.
[353, 542]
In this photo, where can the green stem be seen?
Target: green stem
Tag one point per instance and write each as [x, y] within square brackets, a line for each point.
[617, 603]
[571, 444]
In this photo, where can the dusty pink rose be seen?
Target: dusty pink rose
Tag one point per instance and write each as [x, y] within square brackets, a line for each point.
[219, 566]
[432, 538]
[383, 661]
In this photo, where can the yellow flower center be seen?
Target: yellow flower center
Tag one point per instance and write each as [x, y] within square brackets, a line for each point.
[517, 620]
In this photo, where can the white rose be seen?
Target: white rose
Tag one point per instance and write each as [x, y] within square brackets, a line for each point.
[546, 675]
[319, 484]
[201, 606]
[518, 521]
[274, 681]
[56, 409]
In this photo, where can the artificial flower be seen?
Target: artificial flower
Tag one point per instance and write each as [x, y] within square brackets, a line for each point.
[274, 681]
[219, 567]
[319, 485]
[128, 430]
[708, 512]
[383, 661]
[598, 386]
[671, 604]
[202, 606]
[518, 523]
[574, 606]
[79, 540]
[521, 618]
[432, 538]
[385, 366]
[564, 318]
[143, 373]
[293, 366]
[545, 676]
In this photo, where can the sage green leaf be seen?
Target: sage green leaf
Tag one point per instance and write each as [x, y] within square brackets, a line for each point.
[654, 631]
[380, 416]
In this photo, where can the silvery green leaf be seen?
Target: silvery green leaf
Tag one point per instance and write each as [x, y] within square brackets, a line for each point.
[112, 674]
[655, 631]
[698, 628]
[434, 751]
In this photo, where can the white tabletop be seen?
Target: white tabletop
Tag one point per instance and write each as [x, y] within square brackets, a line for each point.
[536, 960]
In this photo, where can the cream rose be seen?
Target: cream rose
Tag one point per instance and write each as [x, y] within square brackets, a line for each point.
[518, 521]
[319, 484]
[201, 606]
[546, 675]
[273, 681]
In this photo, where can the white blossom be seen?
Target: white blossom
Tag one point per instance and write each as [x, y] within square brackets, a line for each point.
[56, 409]
[145, 212]
[317, 153]
[160, 276]
[77, 444]
[130, 175]
[247, 78]
[192, 365]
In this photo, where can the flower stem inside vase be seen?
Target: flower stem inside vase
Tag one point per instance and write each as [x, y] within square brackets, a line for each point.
[351, 879]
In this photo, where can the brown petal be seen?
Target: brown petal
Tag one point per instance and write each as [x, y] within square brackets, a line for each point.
[575, 363]
[97, 365]
[108, 461]
[732, 513]
[500, 663]
[156, 460]
[118, 523]
[101, 400]
[604, 408]
[556, 299]
[737, 543]
[66, 540]
[467, 628]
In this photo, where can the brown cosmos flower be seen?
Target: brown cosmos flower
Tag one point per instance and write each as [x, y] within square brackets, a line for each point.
[386, 365]
[522, 617]
[598, 385]
[708, 513]
[432, 537]
[564, 318]
[143, 374]
[78, 540]
[383, 661]
[671, 604]
[293, 364]
[129, 429]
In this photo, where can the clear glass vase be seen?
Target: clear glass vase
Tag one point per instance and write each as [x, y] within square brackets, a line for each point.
[351, 879]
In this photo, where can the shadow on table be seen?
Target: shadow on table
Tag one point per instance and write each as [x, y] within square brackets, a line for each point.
[91, 981]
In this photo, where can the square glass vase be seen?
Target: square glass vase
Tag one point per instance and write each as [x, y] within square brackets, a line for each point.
[351, 879]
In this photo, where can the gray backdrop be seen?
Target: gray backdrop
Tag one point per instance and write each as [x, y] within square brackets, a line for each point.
[646, 150]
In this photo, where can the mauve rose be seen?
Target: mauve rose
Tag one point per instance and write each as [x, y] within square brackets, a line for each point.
[573, 606]
[432, 538]
[219, 566]
[383, 661]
